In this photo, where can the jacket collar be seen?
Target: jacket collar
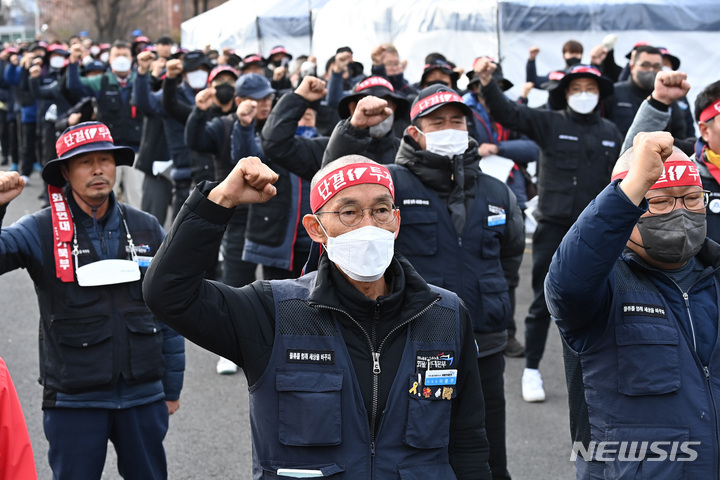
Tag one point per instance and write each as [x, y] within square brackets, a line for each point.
[409, 293]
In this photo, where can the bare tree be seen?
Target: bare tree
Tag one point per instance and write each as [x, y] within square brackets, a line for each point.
[114, 18]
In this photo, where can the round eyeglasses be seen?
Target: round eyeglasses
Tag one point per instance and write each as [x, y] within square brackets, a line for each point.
[666, 203]
[351, 215]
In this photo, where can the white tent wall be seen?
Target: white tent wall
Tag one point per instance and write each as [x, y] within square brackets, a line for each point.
[248, 26]
[465, 29]
[415, 27]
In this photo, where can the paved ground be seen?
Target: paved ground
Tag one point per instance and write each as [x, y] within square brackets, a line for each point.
[209, 436]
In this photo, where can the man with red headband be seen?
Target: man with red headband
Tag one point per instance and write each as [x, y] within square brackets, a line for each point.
[359, 369]
[633, 289]
[109, 369]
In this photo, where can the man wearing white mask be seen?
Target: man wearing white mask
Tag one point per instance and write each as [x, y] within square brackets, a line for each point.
[578, 151]
[360, 369]
[113, 91]
[109, 369]
[462, 230]
[355, 134]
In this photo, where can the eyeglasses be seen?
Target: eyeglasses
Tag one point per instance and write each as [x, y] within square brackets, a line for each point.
[666, 203]
[351, 215]
[650, 66]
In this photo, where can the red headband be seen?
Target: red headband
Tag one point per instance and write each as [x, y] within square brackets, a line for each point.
[81, 136]
[375, 82]
[711, 111]
[676, 173]
[349, 176]
[432, 100]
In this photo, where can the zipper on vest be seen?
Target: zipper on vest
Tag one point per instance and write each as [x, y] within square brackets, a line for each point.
[712, 400]
[686, 299]
[376, 359]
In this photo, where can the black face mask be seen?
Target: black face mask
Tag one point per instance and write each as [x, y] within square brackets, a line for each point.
[572, 61]
[224, 93]
[673, 237]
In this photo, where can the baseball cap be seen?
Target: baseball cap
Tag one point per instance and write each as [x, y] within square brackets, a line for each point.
[194, 60]
[375, 86]
[253, 85]
[433, 97]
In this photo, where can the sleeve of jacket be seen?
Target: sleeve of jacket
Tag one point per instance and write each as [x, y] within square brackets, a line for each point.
[237, 323]
[334, 90]
[650, 117]
[20, 245]
[469, 448]
[346, 140]
[12, 74]
[143, 99]
[175, 108]
[532, 76]
[578, 283]
[536, 124]
[299, 155]
[80, 87]
[203, 134]
[174, 356]
[512, 246]
[244, 144]
[16, 454]
[521, 150]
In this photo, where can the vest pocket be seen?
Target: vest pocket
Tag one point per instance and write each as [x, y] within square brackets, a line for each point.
[647, 356]
[270, 469]
[428, 418]
[309, 407]
[416, 224]
[646, 452]
[426, 471]
[84, 353]
[145, 342]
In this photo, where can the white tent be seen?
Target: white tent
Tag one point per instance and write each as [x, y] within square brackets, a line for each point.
[465, 29]
[253, 27]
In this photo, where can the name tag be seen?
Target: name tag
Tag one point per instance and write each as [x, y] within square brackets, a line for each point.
[496, 220]
[440, 377]
[143, 261]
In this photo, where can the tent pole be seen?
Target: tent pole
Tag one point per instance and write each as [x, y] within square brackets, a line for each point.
[497, 31]
[259, 36]
[310, 21]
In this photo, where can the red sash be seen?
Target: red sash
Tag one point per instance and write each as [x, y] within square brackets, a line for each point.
[62, 234]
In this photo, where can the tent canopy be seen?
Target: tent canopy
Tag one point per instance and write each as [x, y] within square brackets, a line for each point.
[466, 29]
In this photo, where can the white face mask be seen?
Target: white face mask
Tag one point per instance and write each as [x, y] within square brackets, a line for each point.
[362, 254]
[448, 142]
[197, 79]
[121, 65]
[583, 102]
[57, 62]
[104, 57]
[94, 50]
[382, 128]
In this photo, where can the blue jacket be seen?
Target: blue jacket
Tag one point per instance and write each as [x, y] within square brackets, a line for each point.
[16, 76]
[274, 229]
[151, 104]
[127, 358]
[639, 355]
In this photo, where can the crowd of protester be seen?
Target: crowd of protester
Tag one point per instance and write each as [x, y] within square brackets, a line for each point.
[190, 116]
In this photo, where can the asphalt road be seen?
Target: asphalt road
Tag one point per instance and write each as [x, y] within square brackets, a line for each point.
[209, 436]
